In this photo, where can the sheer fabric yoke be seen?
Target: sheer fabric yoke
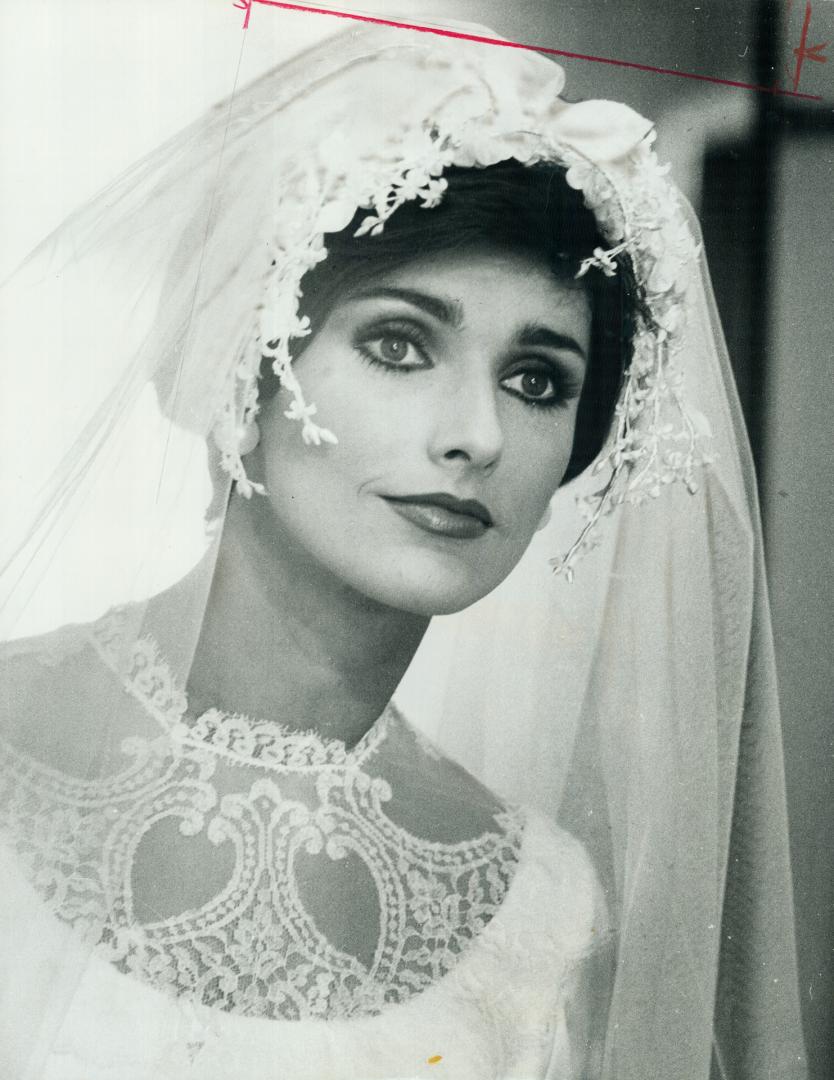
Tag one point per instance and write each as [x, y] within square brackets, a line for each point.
[253, 868]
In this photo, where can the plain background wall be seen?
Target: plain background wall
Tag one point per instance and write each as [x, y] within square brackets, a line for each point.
[138, 71]
[798, 494]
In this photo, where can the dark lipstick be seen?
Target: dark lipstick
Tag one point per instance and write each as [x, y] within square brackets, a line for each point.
[443, 514]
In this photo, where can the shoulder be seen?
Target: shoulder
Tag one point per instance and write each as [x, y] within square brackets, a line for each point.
[529, 960]
[552, 852]
[554, 887]
[557, 889]
[556, 853]
[434, 796]
[61, 697]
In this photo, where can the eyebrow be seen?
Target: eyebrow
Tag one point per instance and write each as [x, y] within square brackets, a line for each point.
[449, 311]
[442, 308]
[534, 334]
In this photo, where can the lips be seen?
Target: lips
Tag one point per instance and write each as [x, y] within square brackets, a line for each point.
[443, 514]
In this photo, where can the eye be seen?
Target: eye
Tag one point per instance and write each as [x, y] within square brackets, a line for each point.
[393, 350]
[400, 348]
[538, 384]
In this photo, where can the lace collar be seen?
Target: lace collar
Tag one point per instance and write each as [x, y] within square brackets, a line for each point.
[245, 741]
[147, 676]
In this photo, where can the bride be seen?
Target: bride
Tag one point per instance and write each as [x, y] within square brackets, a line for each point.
[327, 362]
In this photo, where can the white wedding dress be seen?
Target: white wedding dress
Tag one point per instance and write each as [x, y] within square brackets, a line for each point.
[250, 902]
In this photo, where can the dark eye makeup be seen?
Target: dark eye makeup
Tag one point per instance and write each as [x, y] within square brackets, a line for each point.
[395, 345]
[400, 346]
[542, 382]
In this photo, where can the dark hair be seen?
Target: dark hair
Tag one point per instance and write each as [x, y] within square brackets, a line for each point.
[526, 209]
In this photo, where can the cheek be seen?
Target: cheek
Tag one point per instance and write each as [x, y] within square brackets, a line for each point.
[376, 416]
[371, 426]
[535, 461]
[368, 429]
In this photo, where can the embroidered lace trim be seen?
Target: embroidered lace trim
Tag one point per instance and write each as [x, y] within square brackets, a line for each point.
[254, 948]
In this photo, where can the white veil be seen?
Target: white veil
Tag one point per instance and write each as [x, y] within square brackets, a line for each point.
[636, 705]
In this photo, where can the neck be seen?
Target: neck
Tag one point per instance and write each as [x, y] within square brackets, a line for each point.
[284, 639]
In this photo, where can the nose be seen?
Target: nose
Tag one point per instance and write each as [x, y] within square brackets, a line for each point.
[468, 430]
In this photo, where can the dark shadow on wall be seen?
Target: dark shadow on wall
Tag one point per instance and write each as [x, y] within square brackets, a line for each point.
[767, 219]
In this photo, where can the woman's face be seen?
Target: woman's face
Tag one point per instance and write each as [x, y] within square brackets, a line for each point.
[452, 385]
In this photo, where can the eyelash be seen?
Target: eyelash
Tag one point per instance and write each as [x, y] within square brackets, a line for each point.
[405, 331]
[564, 386]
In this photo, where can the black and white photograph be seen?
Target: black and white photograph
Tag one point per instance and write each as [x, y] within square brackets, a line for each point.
[416, 578]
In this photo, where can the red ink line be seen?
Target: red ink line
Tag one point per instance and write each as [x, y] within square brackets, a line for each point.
[811, 53]
[534, 48]
[245, 5]
[800, 52]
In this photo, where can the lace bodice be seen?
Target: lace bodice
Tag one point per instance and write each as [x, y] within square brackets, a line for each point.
[283, 828]
[192, 905]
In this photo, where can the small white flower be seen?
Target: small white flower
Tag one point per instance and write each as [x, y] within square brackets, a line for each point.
[298, 410]
[368, 223]
[433, 193]
[313, 435]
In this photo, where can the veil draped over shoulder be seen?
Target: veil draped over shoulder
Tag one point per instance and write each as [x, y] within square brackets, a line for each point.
[635, 704]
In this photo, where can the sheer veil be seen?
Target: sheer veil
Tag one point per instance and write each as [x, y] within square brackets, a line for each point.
[636, 704]
[638, 707]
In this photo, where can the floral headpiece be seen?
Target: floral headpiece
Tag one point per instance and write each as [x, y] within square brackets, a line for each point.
[606, 148]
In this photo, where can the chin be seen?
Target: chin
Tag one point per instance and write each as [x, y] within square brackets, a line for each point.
[428, 587]
[429, 603]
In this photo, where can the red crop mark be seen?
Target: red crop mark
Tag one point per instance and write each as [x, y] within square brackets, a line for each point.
[247, 5]
[804, 51]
